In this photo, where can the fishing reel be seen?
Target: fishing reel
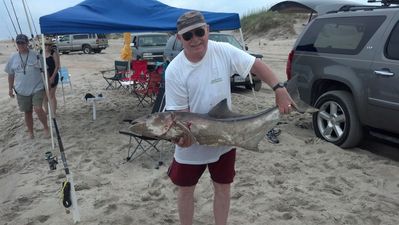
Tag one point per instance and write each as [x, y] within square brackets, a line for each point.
[52, 160]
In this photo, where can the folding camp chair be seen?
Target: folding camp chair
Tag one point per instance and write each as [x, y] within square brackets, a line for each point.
[120, 71]
[64, 78]
[139, 75]
[147, 92]
[139, 145]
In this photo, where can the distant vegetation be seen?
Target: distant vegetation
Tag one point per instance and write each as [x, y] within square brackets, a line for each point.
[256, 23]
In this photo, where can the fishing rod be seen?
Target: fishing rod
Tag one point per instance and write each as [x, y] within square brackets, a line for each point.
[69, 198]
[30, 14]
[16, 32]
[12, 39]
[27, 18]
[16, 18]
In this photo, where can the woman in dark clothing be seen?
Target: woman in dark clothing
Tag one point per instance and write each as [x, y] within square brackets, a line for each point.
[53, 65]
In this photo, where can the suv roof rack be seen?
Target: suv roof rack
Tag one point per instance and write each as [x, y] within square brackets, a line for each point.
[384, 2]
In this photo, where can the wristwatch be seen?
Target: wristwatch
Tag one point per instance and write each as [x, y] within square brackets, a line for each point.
[278, 85]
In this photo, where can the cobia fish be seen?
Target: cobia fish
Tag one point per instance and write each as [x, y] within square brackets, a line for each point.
[218, 127]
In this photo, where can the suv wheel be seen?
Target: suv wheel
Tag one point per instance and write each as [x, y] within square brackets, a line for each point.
[86, 49]
[337, 121]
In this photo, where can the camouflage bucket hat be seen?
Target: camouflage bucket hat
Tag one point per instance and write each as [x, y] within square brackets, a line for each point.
[189, 21]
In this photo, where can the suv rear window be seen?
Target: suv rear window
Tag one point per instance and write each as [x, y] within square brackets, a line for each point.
[347, 35]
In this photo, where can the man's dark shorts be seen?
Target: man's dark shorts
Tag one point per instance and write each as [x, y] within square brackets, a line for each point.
[26, 103]
[221, 171]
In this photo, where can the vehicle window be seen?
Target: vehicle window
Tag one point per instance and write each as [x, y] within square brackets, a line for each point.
[340, 35]
[392, 48]
[102, 36]
[80, 36]
[178, 45]
[225, 38]
[232, 40]
[64, 38]
[155, 40]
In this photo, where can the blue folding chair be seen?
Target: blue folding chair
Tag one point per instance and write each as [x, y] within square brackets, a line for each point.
[65, 78]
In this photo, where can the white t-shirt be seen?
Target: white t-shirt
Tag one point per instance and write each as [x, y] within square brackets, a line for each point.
[28, 82]
[200, 86]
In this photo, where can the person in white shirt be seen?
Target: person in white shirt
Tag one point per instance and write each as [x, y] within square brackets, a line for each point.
[196, 80]
[24, 77]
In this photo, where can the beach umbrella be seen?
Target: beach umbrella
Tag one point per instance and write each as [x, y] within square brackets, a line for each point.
[126, 53]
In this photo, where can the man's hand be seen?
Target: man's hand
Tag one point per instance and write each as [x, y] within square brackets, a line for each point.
[284, 101]
[184, 141]
[11, 93]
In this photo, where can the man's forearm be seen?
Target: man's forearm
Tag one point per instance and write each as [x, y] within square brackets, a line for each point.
[10, 82]
[264, 73]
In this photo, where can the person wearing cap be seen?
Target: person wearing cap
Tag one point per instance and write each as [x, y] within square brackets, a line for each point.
[24, 77]
[196, 80]
[53, 65]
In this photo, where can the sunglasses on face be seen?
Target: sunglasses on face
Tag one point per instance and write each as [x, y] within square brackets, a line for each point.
[20, 43]
[199, 32]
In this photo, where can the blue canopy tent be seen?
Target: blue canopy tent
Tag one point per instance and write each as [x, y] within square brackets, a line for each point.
[104, 16]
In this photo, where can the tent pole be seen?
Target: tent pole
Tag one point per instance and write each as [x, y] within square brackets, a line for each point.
[250, 75]
[46, 85]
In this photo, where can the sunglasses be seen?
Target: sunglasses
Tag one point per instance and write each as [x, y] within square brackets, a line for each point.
[199, 32]
[20, 43]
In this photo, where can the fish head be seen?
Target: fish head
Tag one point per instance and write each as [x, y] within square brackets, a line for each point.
[154, 125]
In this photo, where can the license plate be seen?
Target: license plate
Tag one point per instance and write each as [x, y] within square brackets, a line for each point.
[239, 79]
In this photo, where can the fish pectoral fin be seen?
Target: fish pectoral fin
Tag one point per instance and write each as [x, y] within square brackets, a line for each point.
[186, 130]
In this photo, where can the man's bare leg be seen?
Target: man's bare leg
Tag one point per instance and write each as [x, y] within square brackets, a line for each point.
[185, 203]
[43, 119]
[221, 203]
[29, 123]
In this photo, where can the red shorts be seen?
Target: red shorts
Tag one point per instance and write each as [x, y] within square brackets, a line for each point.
[222, 171]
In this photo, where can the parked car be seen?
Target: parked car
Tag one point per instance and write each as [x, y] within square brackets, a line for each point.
[149, 46]
[346, 63]
[87, 43]
[174, 46]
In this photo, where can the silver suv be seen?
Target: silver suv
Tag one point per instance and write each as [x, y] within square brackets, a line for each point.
[87, 43]
[347, 65]
[174, 46]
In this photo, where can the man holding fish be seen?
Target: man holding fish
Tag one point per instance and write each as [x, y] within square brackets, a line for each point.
[196, 81]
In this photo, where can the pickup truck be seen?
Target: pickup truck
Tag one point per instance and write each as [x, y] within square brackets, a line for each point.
[87, 43]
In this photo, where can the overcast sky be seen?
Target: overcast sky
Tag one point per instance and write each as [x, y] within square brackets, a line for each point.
[40, 8]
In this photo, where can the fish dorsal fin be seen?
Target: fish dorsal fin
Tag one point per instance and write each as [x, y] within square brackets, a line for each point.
[222, 111]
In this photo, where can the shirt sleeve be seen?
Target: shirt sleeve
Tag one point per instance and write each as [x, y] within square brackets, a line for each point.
[8, 69]
[175, 91]
[241, 61]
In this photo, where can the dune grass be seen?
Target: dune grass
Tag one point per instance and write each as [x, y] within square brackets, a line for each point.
[262, 21]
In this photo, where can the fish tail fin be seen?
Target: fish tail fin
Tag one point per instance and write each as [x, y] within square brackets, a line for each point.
[300, 106]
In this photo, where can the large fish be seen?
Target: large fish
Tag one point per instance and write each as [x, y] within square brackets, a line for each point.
[218, 127]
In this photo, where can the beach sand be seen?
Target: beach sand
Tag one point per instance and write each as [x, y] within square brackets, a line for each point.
[301, 180]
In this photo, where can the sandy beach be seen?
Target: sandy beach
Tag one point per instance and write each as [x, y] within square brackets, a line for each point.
[301, 180]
